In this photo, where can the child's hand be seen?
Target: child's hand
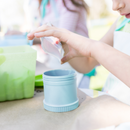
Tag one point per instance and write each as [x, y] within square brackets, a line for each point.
[77, 45]
[69, 53]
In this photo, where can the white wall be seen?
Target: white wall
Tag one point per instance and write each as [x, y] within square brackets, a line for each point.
[109, 3]
[11, 12]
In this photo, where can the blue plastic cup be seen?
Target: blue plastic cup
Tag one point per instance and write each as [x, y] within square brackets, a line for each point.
[62, 75]
[60, 90]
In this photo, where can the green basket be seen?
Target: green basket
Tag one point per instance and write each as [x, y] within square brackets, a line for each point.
[17, 72]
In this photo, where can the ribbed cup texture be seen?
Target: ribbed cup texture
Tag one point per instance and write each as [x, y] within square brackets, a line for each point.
[60, 90]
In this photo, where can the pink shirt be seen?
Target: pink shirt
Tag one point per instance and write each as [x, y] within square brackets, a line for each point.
[75, 22]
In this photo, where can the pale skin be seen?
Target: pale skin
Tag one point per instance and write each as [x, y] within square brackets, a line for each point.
[92, 52]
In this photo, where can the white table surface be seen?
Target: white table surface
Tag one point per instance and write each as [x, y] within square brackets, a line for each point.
[29, 114]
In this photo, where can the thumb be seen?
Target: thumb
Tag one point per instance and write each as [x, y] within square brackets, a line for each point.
[66, 58]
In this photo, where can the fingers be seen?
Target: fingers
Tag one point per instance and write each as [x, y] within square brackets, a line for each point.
[40, 29]
[46, 30]
[57, 33]
[47, 33]
[66, 58]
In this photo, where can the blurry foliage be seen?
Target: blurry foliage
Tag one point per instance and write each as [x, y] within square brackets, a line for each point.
[20, 4]
[99, 9]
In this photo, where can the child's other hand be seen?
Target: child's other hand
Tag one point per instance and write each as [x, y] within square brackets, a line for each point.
[77, 45]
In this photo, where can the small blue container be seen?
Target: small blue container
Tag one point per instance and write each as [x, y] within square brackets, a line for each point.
[15, 40]
[60, 90]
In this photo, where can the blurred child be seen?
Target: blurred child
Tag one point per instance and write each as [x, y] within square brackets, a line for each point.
[112, 51]
[68, 14]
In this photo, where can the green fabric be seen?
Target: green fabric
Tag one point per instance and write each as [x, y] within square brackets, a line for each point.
[91, 73]
[43, 10]
[53, 6]
[97, 82]
[123, 24]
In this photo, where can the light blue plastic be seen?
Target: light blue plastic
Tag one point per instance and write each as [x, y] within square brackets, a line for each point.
[15, 40]
[60, 90]
[62, 75]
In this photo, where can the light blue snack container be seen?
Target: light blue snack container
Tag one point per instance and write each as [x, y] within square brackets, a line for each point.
[62, 75]
[60, 91]
[15, 40]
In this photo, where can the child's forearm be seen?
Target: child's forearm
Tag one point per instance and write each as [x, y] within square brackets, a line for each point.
[84, 65]
[81, 64]
[115, 61]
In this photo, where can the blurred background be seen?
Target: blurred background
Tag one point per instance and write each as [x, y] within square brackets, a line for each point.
[12, 16]
[101, 17]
